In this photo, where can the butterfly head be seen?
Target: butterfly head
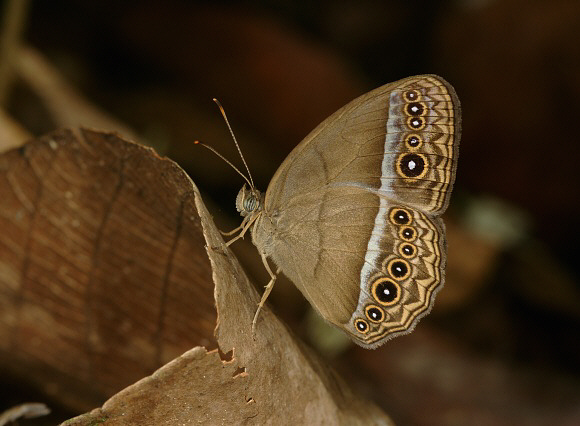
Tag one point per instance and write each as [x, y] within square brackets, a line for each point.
[249, 201]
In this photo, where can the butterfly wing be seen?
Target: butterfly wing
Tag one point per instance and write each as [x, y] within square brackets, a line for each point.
[351, 216]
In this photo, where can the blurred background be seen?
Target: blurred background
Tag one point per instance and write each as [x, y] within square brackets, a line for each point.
[503, 342]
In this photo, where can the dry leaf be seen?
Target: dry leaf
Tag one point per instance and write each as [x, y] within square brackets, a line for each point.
[103, 274]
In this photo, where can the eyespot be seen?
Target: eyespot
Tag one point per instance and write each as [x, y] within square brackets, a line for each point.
[407, 233]
[361, 325]
[413, 141]
[407, 250]
[416, 123]
[415, 109]
[412, 166]
[399, 269]
[386, 291]
[411, 95]
[374, 313]
[400, 216]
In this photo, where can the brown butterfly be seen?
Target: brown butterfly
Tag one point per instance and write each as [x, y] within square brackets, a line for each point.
[352, 216]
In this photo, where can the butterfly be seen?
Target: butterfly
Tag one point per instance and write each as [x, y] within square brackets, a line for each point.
[352, 216]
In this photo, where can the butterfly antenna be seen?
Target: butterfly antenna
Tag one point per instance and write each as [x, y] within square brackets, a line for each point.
[226, 160]
[251, 182]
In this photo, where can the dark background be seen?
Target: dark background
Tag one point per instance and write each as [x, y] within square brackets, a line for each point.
[280, 67]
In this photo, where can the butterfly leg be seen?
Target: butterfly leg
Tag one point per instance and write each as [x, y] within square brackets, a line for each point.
[267, 290]
[246, 224]
[237, 229]
[233, 231]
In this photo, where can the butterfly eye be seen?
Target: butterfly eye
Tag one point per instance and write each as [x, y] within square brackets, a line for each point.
[386, 291]
[361, 325]
[374, 313]
[251, 203]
